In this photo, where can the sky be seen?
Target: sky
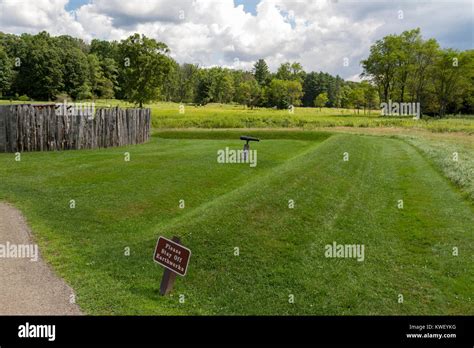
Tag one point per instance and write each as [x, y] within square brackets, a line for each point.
[323, 35]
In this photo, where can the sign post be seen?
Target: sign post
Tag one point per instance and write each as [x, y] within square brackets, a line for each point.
[175, 258]
[245, 154]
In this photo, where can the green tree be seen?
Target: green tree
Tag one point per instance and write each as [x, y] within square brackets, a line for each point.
[222, 86]
[381, 65]
[321, 100]
[100, 85]
[109, 56]
[297, 72]
[317, 83]
[261, 72]
[248, 93]
[75, 68]
[452, 74]
[203, 89]
[291, 72]
[284, 72]
[187, 78]
[145, 66]
[406, 66]
[467, 96]
[40, 70]
[311, 88]
[170, 83]
[345, 98]
[109, 86]
[370, 96]
[215, 85]
[424, 55]
[357, 98]
[105, 49]
[6, 72]
[282, 93]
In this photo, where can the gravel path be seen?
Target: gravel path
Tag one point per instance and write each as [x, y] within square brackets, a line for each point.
[28, 287]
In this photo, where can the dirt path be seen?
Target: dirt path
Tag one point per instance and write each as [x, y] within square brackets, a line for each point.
[28, 287]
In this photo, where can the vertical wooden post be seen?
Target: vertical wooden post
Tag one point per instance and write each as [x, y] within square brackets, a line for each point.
[167, 282]
[3, 128]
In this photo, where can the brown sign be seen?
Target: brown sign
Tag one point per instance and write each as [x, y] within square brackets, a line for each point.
[172, 255]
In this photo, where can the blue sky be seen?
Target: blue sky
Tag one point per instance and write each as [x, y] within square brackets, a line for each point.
[249, 5]
[320, 34]
[74, 4]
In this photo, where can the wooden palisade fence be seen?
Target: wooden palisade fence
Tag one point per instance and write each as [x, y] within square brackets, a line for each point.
[42, 128]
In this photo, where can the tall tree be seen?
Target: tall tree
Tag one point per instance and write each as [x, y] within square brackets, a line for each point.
[381, 65]
[187, 79]
[75, 68]
[424, 55]
[261, 72]
[222, 86]
[357, 98]
[291, 72]
[6, 73]
[248, 93]
[283, 93]
[284, 72]
[297, 72]
[203, 89]
[105, 49]
[145, 66]
[370, 96]
[345, 98]
[101, 86]
[311, 88]
[110, 72]
[40, 70]
[321, 100]
[452, 74]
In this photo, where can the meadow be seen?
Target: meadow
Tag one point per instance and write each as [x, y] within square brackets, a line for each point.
[167, 115]
[170, 115]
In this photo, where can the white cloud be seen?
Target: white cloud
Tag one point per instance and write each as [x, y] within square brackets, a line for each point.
[19, 16]
[319, 34]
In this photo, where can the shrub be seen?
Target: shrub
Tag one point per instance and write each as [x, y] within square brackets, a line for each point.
[24, 98]
[62, 97]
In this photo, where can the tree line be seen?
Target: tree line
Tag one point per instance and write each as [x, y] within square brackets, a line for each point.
[139, 69]
[408, 68]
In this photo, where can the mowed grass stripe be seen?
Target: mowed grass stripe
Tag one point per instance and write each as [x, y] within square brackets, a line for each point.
[120, 204]
[281, 250]
[408, 252]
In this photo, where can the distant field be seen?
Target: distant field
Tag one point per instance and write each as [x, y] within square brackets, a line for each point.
[167, 115]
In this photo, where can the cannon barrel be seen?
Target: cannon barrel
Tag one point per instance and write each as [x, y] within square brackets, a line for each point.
[246, 138]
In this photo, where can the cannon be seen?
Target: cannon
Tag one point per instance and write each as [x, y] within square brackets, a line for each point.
[247, 145]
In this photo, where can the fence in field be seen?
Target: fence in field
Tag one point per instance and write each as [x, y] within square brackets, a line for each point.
[50, 127]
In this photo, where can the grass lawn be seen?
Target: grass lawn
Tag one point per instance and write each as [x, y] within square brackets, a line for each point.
[454, 156]
[129, 204]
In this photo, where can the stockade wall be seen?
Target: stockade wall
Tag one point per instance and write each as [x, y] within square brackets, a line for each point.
[41, 128]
